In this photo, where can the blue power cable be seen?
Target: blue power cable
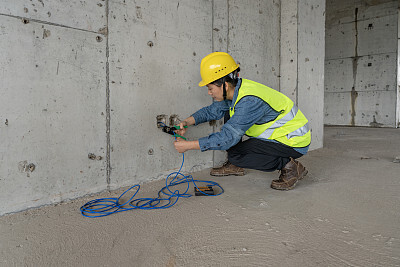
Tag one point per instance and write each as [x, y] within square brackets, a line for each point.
[167, 197]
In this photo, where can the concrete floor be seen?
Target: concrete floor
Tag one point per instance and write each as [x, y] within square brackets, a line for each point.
[346, 212]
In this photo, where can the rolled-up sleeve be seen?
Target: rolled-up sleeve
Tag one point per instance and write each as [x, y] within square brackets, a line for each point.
[215, 111]
[223, 140]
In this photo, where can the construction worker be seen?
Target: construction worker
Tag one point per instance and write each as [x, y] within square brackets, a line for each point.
[279, 132]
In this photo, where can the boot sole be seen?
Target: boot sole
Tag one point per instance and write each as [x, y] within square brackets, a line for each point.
[286, 188]
[235, 174]
[305, 172]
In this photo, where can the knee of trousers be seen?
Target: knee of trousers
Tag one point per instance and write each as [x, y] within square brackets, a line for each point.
[234, 158]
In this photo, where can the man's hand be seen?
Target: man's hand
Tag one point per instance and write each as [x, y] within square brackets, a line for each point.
[186, 122]
[182, 130]
[182, 146]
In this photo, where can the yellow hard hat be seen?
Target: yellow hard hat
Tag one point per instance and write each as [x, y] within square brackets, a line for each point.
[216, 65]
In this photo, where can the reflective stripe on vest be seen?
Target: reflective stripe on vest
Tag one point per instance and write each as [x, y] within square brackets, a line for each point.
[279, 123]
[290, 127]
[299, 132]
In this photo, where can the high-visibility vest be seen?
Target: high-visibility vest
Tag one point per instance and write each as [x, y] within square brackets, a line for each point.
[290, 127]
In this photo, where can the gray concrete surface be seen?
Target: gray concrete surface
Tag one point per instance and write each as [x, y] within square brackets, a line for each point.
[346, 212]
[289, 49]
[310, 65]
[83, 81]
[302, 48]
[52, 109]
[147, 80]
[361, 86]
[398, 72]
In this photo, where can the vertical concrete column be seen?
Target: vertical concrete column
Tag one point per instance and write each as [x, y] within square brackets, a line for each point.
[220, 25]
[302, 60]
[398, 72]
[288, 58]
[310, 71]
[220, 37]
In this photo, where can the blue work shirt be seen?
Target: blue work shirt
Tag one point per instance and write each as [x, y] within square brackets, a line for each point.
[248, 111]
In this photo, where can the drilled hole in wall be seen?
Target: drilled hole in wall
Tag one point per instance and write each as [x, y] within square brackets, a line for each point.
[31, 167]
[174, 120]
[161, 120]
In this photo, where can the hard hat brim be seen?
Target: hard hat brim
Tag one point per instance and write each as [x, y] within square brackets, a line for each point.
[204, 83]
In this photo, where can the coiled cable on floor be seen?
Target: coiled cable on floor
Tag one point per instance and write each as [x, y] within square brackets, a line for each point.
[167, 196]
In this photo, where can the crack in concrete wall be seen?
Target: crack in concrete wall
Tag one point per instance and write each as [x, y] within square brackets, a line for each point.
[361, 53]
[27, 20]
[354, 93]
[89, 92]
[108, 115]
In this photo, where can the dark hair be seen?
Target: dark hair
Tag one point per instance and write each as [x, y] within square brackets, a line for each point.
[231, 78]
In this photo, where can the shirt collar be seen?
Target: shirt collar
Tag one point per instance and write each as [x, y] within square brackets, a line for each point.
[236, 92]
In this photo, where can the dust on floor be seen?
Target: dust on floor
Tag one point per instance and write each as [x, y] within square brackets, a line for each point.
[345, 212]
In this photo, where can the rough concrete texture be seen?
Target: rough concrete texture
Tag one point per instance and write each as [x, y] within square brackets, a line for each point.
[398, 72]
[302, 58]
[253, 39]
[361, 55]
[220, 38]
[258, 23]
[152, 73]
[310, 66]
[79, 15]
[52, 114]
[83, 81]
[289, 49]
[344, 213]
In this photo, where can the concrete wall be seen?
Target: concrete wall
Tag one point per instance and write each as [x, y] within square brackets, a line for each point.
[292, 49]
[302, 60]
[52, 104]
[310, 70]
[155, 51]
[398, 72]
[82, 83]
[361, 56]
[249, 31]
[289, 49]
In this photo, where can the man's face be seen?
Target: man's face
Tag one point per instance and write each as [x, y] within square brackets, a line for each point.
[215, 92]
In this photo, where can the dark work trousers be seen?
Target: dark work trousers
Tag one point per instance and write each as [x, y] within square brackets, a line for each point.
[261, 155]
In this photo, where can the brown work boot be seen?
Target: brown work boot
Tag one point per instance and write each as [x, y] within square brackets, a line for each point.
[290, 174]
[227, 169]
[301, 169]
